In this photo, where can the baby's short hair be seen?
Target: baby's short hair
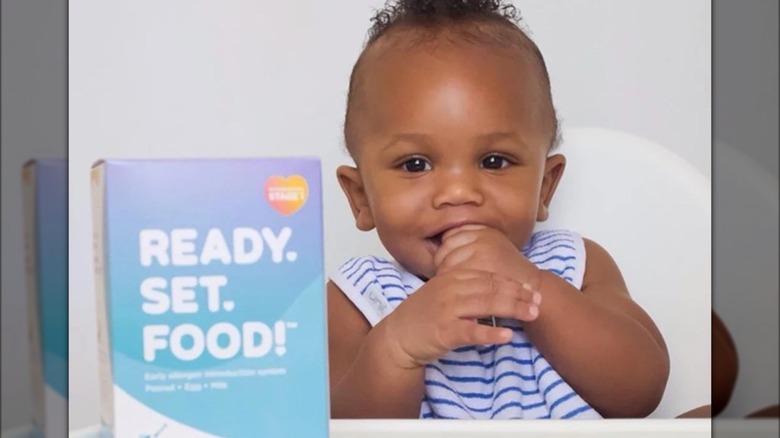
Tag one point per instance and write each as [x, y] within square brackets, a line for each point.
[438, 14]
[480, 22]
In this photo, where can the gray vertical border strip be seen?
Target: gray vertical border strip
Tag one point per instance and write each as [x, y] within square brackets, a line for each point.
[745, 199]
[34, 125]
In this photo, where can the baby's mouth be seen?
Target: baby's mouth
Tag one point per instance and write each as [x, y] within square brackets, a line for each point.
[436, 239]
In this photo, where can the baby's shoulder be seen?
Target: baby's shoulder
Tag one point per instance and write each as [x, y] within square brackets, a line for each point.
[366, 265]
[363, 273]
[559, 251]
[579, 260]
[374, 285]
[553, 239]
[601, 266]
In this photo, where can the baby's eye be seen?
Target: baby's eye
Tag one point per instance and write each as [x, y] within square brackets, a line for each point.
[494, 162]
[416, 165]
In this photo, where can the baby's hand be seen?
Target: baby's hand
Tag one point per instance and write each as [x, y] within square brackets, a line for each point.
[485, 249]
[441, 316]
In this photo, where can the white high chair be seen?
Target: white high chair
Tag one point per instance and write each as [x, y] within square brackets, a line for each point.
[651, 210]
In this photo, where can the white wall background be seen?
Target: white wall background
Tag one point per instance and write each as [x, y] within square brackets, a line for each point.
[239, 78]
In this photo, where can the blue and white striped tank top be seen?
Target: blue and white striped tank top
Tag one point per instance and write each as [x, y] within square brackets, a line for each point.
[509, 381]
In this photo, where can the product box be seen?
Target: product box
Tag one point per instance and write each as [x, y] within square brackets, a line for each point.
[211, 298]
[45, 197]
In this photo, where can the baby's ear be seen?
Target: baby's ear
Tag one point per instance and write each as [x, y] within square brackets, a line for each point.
[553, 170]
[352, 184]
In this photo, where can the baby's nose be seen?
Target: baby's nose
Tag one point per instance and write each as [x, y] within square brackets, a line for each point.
[458, 188]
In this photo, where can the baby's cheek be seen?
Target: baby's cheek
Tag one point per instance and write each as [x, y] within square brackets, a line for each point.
[522, 231]
[390, 228]
[414, 259]
[397, 239]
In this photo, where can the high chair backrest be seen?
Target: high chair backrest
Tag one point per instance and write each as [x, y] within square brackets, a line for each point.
[651, 210]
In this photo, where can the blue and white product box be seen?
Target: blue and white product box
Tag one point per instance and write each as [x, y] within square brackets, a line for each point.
[211, 298]
[45, 197]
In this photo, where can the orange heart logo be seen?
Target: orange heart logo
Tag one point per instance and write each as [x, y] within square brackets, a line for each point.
[286, 195]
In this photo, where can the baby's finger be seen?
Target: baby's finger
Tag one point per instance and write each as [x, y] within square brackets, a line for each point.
[456, 238]
[460, 256]
[491, 283]
[499, 305]
[465, 332]
[449, 234]
[461, 276]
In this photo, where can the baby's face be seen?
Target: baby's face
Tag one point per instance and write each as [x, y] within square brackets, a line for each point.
[447, 138]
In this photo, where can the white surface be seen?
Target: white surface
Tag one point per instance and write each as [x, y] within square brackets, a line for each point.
[651, 211]
[693, 428]
[244, 78]
[688, 428]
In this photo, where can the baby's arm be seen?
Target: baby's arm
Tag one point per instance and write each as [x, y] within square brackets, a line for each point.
[604, 345]
[379, 372]
[363, 383]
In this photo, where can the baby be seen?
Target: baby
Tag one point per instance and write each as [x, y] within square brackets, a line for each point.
[451, 125]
